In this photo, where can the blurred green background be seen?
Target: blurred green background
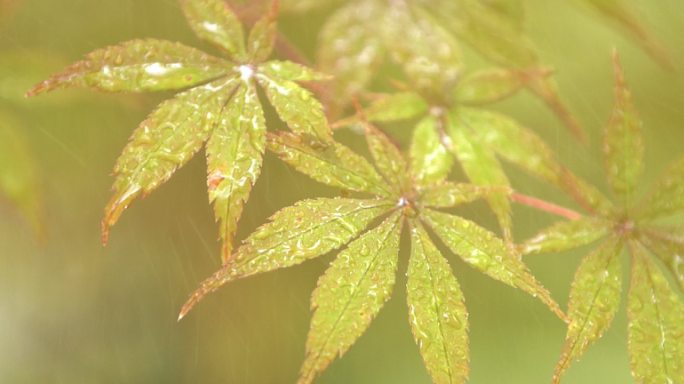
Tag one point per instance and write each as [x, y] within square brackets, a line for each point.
[72, 311]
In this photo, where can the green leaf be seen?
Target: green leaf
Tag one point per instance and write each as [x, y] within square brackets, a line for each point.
[164, 142]
[624, 15]
[430, 56]
[594, 299]
[214, 22]
[138, 65]
[623, 145]
[586, 195]
[667, 195]
[388, 159]
[437, 312]
[389, 107]
[670, 250]
[288, 70]
[430, 160]
[547, 90]
[234, 156]
[330, 163]
[481, 166]
[295, 234]
[487, 253]
[656, 323]
[351, 49]
[567, 235]
[491, 85]
[350, 295]
[515, 143]
[295, 105]
[449, 195]
[263, 34]
[19, 174]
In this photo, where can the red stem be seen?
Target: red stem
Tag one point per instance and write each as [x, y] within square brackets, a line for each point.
[545, 206]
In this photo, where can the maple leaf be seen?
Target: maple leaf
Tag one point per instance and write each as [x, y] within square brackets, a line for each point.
[220, 107]
[360, 280]
[453, 126]
[656, 316]
[419, 36]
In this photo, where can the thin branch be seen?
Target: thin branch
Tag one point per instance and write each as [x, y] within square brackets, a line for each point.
[545, 206]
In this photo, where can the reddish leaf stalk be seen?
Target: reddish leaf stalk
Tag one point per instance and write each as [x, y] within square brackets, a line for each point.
[545, 206]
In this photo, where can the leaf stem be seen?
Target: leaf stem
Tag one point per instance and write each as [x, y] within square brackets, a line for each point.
[545, 206]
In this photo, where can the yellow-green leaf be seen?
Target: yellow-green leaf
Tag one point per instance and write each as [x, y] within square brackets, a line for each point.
[350, 294]
[330, 163]
[389, 107]
[448, 195]
[215, 22]
[487, 253]
[594, 299]
[623, 145]
[667, 243]
[388, 159]
[234, 155]
[513, 142]
[169, 137]
[566, 235]
[288, 70]
[351, 48]
[656, 323]
[430, 160]
[139, 65]
[481, 166]
[586, 194]
[667, 195]
[296, 106]
[295, 234]
[263, 34]
[491, 85]
[437, 312]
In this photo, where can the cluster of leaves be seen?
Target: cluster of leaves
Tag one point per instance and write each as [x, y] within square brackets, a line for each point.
[656, 316]
[219, 106]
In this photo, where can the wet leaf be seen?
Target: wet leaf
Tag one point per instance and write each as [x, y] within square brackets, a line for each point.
[437, 312]
[588, 196]
[669, 250]
[567, 235]
[448, 195]
[214, 22]
[234, 154]
[623, 145]
[388, 159]
[667, 195]
[594, 299]
[430, 56]
[295, 105]
[487, 253]
[330, 163]
[627, 17]
[513, 142]
[164, 142]
[390, 107]
[350, 295]
[656, 323]
[491, 85]
[139, 65]
[430, 160]
[295, 234]
[288, 70]
[19, 173]
[351, 49]
[481, 166]
[262, 36]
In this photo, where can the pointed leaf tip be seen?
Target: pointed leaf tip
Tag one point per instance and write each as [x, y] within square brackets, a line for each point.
[263, 35]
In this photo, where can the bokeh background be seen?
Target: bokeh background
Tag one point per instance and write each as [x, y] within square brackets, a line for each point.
[72, 311]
